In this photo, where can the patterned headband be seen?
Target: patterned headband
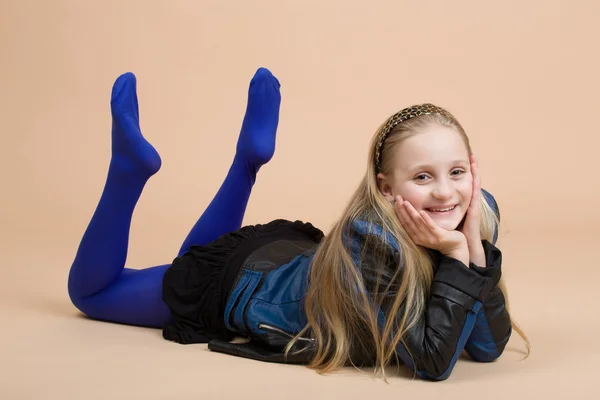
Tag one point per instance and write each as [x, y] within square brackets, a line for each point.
[407, 113]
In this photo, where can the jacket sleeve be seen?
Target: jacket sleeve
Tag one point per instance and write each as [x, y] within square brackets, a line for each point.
[432, 347]
[493, 326]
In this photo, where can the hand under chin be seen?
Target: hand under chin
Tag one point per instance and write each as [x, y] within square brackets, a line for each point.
[450, 224]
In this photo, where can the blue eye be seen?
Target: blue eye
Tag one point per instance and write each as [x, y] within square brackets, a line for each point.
[420, 176]
[457, 170]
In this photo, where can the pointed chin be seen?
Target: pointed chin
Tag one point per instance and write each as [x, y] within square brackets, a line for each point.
[448, 220]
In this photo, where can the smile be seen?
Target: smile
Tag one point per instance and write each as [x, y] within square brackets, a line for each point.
[441, 210]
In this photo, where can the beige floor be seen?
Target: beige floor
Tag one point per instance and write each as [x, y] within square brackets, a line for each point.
[51, 352]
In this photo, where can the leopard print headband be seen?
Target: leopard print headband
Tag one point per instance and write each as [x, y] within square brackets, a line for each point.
[407, 113]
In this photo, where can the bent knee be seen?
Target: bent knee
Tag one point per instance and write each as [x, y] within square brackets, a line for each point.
[79, 301]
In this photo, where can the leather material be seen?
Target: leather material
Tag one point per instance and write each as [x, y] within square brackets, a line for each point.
[257, 350]
[464, 302]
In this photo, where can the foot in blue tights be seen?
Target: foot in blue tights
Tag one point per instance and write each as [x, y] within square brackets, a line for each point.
[103, 249]
[256, 143]
[255, 147]
[99, 285]
[132, 155]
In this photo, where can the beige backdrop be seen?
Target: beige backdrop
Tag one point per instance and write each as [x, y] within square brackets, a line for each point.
[521, 76]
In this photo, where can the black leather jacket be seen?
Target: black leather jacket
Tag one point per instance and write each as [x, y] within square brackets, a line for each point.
[466, 310]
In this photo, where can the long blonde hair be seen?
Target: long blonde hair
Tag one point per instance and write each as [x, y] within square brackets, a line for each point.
[341, 307]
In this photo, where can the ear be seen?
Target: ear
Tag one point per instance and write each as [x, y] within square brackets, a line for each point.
[384, 187]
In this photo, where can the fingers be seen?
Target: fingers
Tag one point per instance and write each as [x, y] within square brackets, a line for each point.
[431, 225]
[471, 226]
[476, 181]
[417, 219]
[476, 173]
[404, 216]
[422, 231]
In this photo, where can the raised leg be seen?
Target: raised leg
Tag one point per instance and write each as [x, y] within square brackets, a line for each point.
[255, 147]
[98, 285]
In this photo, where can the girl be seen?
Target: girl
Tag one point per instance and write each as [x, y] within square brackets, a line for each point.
[409, 274]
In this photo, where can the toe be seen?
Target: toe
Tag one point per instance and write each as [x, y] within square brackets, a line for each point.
[127, 79]
[263, 72]
[264, 76]
[124, 97]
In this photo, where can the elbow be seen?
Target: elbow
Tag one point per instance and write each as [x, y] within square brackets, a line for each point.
[437, 372]
[434, 365]
[487, 351]
[484, 356]
[483, 352]
[435, 376]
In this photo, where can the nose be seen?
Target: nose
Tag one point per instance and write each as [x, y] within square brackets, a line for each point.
[443, 189]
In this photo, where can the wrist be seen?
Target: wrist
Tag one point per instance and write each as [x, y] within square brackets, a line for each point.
[477, 255]
[460, 253]
[474, 242]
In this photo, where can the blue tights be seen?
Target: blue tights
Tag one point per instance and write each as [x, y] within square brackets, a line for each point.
[99, 284]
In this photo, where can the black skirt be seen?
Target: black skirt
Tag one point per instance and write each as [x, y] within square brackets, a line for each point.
[196, 286]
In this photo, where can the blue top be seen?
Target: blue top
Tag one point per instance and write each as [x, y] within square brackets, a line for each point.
[465, 312]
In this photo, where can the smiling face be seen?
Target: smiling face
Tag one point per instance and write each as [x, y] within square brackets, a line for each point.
[431, 170]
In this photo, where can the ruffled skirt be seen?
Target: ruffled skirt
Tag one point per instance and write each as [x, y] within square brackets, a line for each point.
[198, 283]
